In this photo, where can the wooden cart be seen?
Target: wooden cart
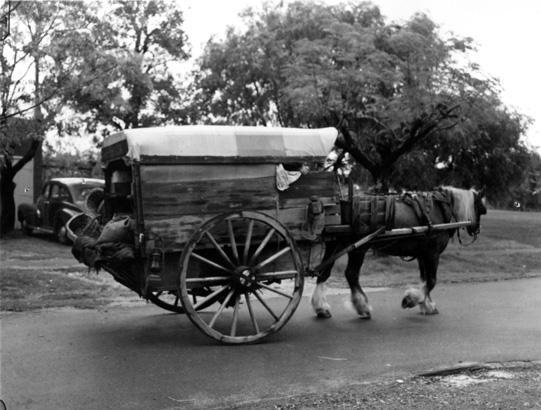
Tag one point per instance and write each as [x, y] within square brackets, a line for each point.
[226, 220]
[214, 236]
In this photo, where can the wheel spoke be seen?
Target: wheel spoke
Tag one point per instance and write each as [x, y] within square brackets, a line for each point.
[209, 297]
[252, 316]
[208, 281]
[219, 248]
[258, 296]
[286, 274]
[262, 246]
[248, 240]
[276, 291]
[221, 309]
[235, 316]
[273, 257]
[232, 240]
[209, 262]
[176, 300]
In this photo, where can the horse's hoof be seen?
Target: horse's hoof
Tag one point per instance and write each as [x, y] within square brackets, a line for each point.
[366, 316]
[429, 312]
[323, 314]
[408, 302]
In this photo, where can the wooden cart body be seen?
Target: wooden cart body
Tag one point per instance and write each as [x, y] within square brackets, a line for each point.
[174, 179]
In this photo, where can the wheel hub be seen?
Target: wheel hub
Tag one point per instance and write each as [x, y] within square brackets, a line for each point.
[244, 278]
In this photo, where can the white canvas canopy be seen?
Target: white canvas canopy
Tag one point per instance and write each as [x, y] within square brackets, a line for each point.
[220, 142]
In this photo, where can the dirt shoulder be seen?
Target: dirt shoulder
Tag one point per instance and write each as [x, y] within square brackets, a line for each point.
[468, 386]
[39, 273]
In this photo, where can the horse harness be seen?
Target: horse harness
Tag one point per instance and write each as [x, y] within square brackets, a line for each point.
[422, 204]
[369, 212]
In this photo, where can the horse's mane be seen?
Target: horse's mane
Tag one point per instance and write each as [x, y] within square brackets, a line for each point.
[463, 203]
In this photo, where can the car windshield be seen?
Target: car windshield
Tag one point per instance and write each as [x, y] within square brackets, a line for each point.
[81, 191]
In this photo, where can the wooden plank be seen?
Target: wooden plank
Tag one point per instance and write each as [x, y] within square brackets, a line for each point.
[172, 160]
[173, 233]
[166, 200]
[322, 184]
[198, 172]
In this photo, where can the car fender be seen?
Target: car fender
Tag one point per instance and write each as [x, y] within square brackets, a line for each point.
[63, 215]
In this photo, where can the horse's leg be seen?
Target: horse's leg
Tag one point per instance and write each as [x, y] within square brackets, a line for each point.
[428, 307]
[428, 267]
[358, 297]
[415, 296]
[319, 298]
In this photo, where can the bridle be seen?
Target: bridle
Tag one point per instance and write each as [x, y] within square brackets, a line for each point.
[480, 209]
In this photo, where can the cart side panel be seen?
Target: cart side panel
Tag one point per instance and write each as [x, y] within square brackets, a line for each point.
[177, 199]
[294, 201]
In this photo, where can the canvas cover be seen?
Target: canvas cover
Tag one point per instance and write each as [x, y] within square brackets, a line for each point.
[219, 142]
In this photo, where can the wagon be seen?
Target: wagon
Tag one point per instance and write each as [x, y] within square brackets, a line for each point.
[226, 221]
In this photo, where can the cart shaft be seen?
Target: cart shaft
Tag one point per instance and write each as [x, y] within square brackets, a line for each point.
[382, 235]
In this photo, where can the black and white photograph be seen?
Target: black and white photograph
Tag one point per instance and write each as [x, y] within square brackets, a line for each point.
[270, 204]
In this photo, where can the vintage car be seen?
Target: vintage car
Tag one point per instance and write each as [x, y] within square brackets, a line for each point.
[60, 199]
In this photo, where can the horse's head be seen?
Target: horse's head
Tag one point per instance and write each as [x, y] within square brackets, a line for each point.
[468, 205]
[479, 208]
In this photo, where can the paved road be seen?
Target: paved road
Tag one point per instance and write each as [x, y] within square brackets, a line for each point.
[138, 357]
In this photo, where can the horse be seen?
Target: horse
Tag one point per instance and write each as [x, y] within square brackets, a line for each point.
[446, 204]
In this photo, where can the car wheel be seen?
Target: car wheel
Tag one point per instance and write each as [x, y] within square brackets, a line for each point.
[27, 230]
[62, 235]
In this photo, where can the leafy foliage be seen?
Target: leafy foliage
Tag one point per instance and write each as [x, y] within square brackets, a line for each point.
[402, 95]
[124, 60]
[77, 70]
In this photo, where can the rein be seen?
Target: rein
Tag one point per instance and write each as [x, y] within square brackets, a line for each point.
[465, 245]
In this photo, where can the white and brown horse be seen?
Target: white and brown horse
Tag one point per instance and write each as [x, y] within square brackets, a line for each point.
[463, 205]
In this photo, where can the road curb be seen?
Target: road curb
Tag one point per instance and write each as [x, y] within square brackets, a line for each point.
[474, 366]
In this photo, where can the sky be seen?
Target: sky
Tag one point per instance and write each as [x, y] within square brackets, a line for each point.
[507, 35]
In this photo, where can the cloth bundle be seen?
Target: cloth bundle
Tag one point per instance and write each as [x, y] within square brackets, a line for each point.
[114, 245]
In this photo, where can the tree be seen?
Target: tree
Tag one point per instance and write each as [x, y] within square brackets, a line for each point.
[492, 154]
[243, 79]
[22, 52]
[395, 91]
[89, 70]
[138, 40]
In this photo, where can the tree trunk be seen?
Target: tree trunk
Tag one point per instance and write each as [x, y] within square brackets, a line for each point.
[7, 200]
[7, 187]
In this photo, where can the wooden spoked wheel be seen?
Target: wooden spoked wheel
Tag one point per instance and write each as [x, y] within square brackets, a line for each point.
[170, 300]
[253, 268]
